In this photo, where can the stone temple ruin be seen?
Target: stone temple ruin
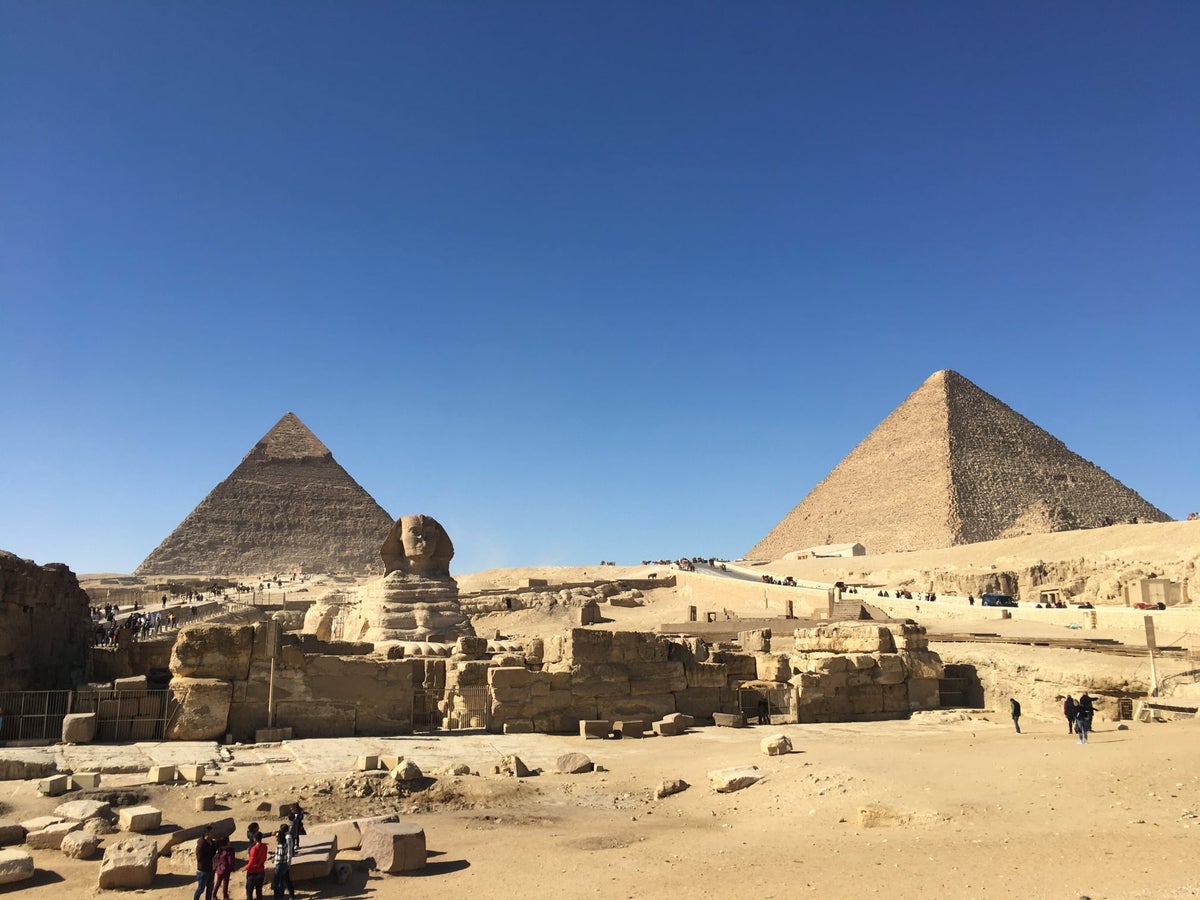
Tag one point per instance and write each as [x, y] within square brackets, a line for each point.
[409, 660]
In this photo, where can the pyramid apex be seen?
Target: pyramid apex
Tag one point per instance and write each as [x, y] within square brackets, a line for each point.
[289, 438]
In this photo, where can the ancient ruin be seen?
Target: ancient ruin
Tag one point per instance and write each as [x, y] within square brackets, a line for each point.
[45, 629]
[953, 465]
[288, 506]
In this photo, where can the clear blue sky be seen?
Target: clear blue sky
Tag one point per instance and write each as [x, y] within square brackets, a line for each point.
[582, 281]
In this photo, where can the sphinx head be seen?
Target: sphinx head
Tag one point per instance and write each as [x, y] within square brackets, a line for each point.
[417, 545]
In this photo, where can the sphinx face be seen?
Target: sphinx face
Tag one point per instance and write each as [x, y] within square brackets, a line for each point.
[419, 536]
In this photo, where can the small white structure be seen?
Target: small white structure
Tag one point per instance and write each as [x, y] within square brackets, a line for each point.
[1154, 591]
[829, 550]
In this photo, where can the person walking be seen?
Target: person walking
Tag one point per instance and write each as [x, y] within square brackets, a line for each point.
[1015, 709]
[256, 867]
[1084, 710]
[206, 849]
[1069, 712]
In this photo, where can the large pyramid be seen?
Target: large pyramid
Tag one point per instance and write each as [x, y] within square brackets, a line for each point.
[953, 465]
[289, 506]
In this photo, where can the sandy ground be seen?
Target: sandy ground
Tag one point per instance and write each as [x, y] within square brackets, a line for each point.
[943, 805]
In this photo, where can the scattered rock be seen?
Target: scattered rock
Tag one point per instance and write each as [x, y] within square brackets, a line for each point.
[573, 764]
[512, 765]
[11, 833]
[80, 845]
[51, 837]
[776, 745]
[407, 770]
[670, 786]
[131, 862]
[79, 810]
[99, 827]
[15, 865]
[723, 781]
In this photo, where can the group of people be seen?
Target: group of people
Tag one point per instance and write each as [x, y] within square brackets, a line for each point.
[1079, 715]
[216, 861]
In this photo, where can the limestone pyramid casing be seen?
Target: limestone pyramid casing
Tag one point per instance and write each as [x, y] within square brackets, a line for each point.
[953, 465]
[288, 506]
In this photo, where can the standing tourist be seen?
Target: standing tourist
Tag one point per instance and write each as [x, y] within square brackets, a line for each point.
[282, 881]
[1014, 709]
[223, 864]
[256, 867]
[206, 849]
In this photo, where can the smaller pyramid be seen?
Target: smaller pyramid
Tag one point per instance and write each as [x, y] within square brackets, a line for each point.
[288, 506]
[953, 465]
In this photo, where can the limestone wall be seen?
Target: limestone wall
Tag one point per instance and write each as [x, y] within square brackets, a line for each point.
[833, 673]
[45, 630]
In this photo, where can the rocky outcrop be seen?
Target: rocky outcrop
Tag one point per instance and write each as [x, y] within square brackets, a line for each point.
[953, 465]
[45, 628]
[289, 506]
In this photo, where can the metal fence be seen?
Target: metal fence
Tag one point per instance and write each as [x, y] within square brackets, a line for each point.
[778, 703]
[37, 716]
[33, 715]
[464, 709]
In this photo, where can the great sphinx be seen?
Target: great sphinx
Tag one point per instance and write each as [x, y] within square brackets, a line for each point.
[414, 603]
[416, 600]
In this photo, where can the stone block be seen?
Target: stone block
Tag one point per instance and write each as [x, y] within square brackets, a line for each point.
[54, 786]
[213, 650]
[394, 847]
[83, 809]
[162, 775]
[387, 762]
[895, 698]
[471, 647]
[15, 865]
[50, 837]
[729, 720]
[665, 728]
[890, 669]
[630, 728]
[80, 845]
[366, 763]
[924, 664]
[656, 677]
[136, 685]
[866, 699]
[192, 773]
[513, 765]
[131, 862]
[205, 803]
[776, 745]
[683, 720]
[314, 858]
[139, 819]
[756, 641]
[86, 781]
[705, 675]
[221, 828]
[593, 729]
[669, 786]
[39, 822]
[924, 693]
[79, 728]
[272, 735]
[582, 646]
[769, 667]
[11, 833]
[521, 725]
[735, 778]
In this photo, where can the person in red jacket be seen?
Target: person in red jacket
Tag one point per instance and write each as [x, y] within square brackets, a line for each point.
[256, 867]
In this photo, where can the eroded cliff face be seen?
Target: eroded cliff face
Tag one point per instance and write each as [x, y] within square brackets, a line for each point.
[45, 629]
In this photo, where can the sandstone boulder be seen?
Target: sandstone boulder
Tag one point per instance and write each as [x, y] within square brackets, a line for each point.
[724, 781]
[80, 845]
[203, 709]
[394, 847]
[15, 865]
[408, 771]
[214, 650]
[776, 745]
[221, 828]
[131, 862]
[512, 765]
[573, 764]
[670, 786]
